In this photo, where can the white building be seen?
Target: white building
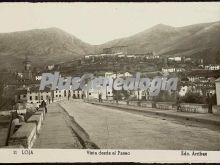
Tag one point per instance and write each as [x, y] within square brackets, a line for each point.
[168, 70]
[38, 77]
[177, 59]
[172, 70]
[217, 88]
[212, 67]
[32, 95]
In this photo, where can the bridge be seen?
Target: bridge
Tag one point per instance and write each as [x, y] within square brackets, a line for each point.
[76, 124]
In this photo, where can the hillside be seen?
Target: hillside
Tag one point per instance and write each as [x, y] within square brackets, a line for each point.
[200, 40]
[48, 46]
[43, 46]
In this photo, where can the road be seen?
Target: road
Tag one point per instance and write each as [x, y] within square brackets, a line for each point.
[115, 129]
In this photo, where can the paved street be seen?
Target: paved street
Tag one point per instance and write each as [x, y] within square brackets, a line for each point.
[112, 128]
[55, 132]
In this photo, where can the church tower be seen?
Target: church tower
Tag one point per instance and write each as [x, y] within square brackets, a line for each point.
[27, 69]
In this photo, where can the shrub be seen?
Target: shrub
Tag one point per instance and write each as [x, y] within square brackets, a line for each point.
[193, 98]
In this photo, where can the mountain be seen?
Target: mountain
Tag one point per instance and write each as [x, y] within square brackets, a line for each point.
[199, 40]
[43, 46]
[52, 45]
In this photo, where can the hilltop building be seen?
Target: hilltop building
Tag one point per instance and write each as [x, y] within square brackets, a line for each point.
[212, 67]
[116, 50]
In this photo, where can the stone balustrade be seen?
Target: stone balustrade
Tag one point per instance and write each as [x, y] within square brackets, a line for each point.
[134, 103]
[184, 107]
[165, 105]
[194, 108]
[122, 102]
[147, 104]
[216, 109]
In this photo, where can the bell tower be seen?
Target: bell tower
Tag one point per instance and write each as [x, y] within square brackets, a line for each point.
[27, 63]
[27, 68]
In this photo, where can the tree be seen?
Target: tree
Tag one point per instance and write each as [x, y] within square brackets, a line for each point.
[191, 97]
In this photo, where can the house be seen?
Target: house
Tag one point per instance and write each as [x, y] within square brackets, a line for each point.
[32, 95]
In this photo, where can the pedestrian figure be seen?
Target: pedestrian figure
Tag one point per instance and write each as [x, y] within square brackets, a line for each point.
[209, 101]
[178, 103]
[82, 96]
[44, 105]
[100, 97]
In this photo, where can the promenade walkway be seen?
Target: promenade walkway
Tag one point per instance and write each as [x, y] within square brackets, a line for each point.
[56, 131]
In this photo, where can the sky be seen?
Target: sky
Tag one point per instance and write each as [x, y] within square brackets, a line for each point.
[96, 23]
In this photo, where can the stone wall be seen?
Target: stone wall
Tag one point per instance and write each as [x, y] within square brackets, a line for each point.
[37, 119]
[24, 136]
[28, 131]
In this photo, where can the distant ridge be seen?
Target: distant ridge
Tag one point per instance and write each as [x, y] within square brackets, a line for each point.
[43, 46]
[52, 45]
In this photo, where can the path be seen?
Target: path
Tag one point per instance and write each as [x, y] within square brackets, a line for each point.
[56, 132]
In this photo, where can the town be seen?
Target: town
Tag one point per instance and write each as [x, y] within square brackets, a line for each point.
[196, 92]
[197, 78]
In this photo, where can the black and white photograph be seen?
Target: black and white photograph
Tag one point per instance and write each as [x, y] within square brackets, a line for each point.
[126, 76]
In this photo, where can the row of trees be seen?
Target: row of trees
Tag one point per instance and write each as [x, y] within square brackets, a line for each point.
[5, 103]
[165, 96]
